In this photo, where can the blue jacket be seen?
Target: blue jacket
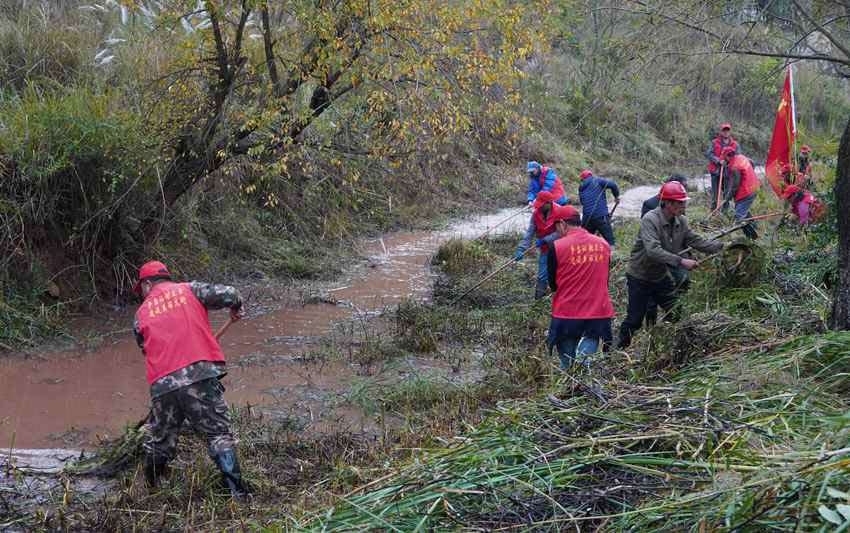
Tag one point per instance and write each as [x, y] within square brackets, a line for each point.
[548, 183]
[591, 192]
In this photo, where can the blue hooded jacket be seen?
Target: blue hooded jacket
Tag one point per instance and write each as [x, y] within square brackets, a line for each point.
[592, 195]
[548, 182]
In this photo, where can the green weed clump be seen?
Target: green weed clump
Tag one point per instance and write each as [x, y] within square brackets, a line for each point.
[459, 256]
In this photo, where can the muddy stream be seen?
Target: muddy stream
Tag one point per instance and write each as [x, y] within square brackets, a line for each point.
[70, 400]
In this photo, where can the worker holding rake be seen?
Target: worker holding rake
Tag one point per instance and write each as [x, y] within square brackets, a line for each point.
[658, 265]
[539, 226]
[743, 186]
[184, 364]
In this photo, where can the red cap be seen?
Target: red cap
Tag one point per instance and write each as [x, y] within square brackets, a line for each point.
[729, 150]
[586, 173]
[543, 198]
[673, 190]
[805, 149]
[726, 126]
[790, 191]
[564, 212]
[149, 270]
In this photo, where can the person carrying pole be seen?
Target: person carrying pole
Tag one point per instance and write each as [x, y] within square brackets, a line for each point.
[578, 265]
[714, 154]
[658, 266]
[184, 365]
[594, 205]
[743, 186]
[540, 179]
[539, 226]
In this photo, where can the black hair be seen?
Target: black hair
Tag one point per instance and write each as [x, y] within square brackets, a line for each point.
[157, 279]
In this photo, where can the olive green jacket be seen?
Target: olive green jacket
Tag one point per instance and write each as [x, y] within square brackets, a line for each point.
[659, 243]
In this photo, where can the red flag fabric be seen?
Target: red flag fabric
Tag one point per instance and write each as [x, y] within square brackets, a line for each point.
[782, 142]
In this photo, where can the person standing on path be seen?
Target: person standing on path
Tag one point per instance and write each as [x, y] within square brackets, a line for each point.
[714, 154]
[594, 204]
[657, 271]
[184, 364]
[578, 266]
[743, 186]
[540, 225]
[540, 179]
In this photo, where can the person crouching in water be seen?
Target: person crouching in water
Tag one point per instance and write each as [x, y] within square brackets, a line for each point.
[184, 364]
[578, 264]
[539, 226]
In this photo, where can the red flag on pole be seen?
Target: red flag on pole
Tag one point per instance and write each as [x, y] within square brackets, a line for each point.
[781, 150]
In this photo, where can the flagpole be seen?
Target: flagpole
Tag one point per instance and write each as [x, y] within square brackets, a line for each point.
[793, 124]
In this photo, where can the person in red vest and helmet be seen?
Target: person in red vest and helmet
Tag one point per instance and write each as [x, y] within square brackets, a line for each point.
[657, 267]
[578, 266]
[743, 186]
[539, 226]
[714, 154]
[542, 178]
[184, 364]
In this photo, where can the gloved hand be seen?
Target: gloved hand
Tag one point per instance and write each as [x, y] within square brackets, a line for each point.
[518, 256]
[539, 243]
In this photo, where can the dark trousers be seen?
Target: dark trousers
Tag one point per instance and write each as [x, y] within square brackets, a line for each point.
[641, 294]
[601, 226]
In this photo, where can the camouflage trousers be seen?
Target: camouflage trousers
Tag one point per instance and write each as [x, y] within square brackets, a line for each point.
[202, 404]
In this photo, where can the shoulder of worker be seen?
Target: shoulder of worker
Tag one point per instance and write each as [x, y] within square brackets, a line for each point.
[216, 295]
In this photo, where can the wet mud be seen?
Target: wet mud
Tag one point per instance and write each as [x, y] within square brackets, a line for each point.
[75, 398]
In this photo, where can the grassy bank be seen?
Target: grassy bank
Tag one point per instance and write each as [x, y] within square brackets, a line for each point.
[732, 418]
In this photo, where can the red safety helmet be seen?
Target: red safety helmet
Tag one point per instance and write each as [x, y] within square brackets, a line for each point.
[543, 198]
[726, 126]
[790, 191]
[805, 149]
[728, 151]
[673, 190]
[151, 269]
[586, 173]
[566, 213]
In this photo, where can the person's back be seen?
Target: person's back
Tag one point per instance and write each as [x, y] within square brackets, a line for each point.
[582, 276]
[175, 327]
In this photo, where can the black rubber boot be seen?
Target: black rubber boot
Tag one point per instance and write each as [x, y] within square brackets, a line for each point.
[231, 474]
[155, 471]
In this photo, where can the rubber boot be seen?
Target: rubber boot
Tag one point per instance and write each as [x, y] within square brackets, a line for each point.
[155, 471]
[539, 291]
[231, 474]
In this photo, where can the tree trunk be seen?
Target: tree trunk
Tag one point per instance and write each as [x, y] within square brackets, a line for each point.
[840, 319]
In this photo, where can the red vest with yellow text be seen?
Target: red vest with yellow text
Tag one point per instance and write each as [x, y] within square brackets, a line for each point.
[542, 228]
[557, 187]
[176, 329]
[582, 276]
[749, 181]
[718, 148]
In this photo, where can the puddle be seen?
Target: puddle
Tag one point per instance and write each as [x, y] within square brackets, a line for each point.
[72, 399]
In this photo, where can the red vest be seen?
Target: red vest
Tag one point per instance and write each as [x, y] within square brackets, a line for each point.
[176, 328]
[582, 276]
[557, 188]
[542, 228]
[749, 181]
[718, 148]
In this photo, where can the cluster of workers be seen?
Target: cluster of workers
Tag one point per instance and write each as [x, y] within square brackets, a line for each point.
[575, 249]
[185, 362]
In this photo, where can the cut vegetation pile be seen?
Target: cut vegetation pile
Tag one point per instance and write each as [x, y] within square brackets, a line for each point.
[748, 440]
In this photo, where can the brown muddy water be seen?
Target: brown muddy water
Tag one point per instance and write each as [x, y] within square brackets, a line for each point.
[74, 398]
